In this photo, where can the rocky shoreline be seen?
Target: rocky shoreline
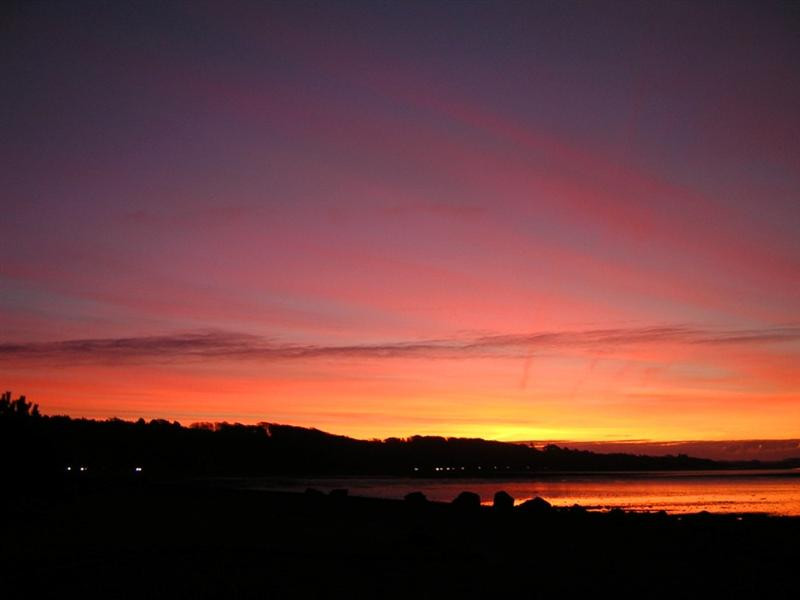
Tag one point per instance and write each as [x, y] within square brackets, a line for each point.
[193, 540]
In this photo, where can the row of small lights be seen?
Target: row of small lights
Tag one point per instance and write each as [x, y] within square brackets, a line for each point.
[84, 469]
[462, 468]
[139, 469]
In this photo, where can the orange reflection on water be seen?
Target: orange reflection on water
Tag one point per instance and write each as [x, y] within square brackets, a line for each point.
[741, 492]
[774, 492]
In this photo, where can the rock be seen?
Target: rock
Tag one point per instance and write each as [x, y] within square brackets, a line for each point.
[467, 501]
[503, 501]
[416, 499]
[535, 506]
[577, 509]
[616, 515]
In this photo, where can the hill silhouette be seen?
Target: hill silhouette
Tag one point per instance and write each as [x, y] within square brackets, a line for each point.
[35, 444]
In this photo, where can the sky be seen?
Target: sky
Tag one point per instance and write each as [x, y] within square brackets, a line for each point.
[518, 221]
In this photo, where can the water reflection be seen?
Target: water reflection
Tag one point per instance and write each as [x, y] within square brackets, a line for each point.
[773, 492]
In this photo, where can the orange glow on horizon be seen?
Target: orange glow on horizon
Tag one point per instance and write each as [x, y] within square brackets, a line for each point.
[661, 394]
[513, 222]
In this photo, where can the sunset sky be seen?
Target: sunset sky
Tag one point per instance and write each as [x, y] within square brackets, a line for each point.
[548, 220]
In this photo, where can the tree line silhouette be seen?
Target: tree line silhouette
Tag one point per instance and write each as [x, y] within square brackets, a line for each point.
[36, 445]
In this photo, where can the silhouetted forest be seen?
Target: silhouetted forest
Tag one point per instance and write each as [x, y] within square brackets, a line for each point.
[35, 445]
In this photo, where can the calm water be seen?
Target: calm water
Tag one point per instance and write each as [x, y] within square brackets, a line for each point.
[773, 492]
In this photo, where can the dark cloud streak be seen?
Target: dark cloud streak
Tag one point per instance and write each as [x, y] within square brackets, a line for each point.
[204, 346]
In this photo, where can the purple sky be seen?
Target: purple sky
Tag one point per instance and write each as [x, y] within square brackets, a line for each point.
[193, 191]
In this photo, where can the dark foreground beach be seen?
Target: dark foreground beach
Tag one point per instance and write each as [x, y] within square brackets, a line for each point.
[198, 540]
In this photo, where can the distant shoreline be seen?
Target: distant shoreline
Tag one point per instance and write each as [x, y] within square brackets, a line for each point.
[34, 445]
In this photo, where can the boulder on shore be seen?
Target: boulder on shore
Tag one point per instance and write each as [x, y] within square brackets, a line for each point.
[467, 501]
[535, 506]
[416, 499]
[503, 501]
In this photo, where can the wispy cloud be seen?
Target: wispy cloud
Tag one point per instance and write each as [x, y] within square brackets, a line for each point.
[216, 345]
